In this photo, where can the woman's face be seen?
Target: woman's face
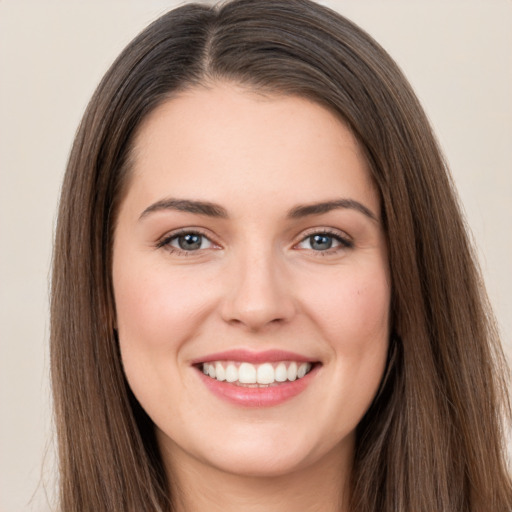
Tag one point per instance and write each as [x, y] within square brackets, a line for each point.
[251, 281]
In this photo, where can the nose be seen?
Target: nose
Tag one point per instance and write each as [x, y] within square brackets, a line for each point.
[259, 294]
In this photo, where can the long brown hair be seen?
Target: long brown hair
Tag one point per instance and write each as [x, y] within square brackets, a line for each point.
[433, 439]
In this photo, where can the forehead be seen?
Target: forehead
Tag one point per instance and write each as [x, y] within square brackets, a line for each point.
[227, 139]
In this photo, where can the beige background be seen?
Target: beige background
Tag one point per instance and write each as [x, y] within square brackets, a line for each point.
[457, 54]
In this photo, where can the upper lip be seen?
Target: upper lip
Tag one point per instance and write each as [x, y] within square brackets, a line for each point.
[244, 355]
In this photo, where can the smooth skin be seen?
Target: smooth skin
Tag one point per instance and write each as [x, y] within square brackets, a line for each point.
[256, 271]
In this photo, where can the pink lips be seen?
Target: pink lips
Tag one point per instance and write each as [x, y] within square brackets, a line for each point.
[267, 356]
[267, 396]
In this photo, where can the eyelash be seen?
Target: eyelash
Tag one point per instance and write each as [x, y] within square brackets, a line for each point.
[165, 242]
[344, 242]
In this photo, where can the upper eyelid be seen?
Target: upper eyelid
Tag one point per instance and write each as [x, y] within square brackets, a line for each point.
[170, 235]
[181, 231]
[323, 230]
[344, 240]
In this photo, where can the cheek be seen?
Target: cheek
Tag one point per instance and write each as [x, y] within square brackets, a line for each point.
[158, 312]
[353, 309]
[356, 324]
[158, 308]
[352, 315]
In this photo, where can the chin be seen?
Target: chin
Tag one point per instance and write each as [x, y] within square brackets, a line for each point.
[261, 464]
[260, 452]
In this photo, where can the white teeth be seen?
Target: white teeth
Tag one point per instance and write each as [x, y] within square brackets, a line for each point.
[247, 373]
[263, 374]
[220, 372]
[231, 373]
[281, 373]
[303, 369]
[292, 371]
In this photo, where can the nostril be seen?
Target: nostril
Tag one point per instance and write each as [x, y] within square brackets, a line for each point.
[258, 295]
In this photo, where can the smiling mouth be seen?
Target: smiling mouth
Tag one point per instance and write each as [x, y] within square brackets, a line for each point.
[250, 375]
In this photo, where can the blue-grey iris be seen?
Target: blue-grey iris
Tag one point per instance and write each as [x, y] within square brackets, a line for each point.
[321, 242]
[190, 241]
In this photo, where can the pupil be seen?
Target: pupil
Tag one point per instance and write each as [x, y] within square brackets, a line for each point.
[189, 242]
[321, 242]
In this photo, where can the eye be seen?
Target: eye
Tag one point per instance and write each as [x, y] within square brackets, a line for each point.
[324, 242]
[186, 241]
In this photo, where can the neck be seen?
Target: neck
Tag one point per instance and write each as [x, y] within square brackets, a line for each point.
[197, 487]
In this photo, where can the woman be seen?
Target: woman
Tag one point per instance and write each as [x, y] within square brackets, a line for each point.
[264, 297]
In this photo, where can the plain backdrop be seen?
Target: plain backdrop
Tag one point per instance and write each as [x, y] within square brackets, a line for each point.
[457, 55]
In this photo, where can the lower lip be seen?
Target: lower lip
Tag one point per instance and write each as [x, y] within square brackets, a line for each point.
[258, 396]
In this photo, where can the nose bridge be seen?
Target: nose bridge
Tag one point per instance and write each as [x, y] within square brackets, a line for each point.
[258, 293]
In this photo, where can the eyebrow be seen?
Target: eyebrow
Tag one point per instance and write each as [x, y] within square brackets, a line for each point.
[327, 206]
[217, 211]
[187, 205]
